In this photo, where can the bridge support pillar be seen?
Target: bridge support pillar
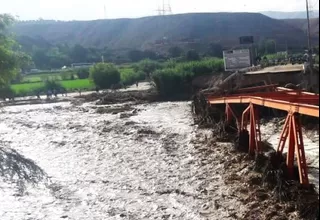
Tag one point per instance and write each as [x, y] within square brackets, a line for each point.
[292, 131]
[250, 116]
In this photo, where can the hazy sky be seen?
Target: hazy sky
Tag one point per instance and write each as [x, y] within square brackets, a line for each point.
[97, 9]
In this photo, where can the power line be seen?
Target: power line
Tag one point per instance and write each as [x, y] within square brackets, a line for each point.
[165, 8]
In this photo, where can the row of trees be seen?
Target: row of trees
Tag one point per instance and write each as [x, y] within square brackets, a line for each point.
[46, 56]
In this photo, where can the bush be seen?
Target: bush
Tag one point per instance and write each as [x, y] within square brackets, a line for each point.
[129, 77]
[65, 75]
[83, 73]
[192, 55]
[104, 75]
[6, 92]
[177, 78]
[206, 66]
[51, 85]
[148, 66]
[171, 81]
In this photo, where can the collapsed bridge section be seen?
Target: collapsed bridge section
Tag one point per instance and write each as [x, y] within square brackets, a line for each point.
[294, 102]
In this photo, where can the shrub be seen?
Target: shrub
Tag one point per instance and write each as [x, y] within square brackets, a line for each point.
[148, 66]
[83, 73]
[206, 66]
[177, 78]
[52, 85]
[192, 55]
[104, 75]
[6, 92]
[172, 81]
[129, 77]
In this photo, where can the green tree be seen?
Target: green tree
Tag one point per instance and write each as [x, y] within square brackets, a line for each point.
[83, 73]
[136, 55]
[149, 54]
[192, 55]
[40, 58]
[148, 66]
[215, 50]
[175, 52]
[267, 46]
[11, 59]
[79, 54]
[104, 75]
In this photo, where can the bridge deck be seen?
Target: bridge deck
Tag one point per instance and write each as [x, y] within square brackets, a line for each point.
[278, 69]
[292, 101]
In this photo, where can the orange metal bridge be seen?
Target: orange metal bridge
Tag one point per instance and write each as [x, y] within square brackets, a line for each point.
[294, 102]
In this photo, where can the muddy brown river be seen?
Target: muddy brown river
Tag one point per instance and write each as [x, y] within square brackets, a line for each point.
[65, 161]
[74, 160]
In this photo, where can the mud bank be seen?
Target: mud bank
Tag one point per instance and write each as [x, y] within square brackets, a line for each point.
[126, 161]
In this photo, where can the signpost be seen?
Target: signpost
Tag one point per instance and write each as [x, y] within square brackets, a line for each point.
[236, 59]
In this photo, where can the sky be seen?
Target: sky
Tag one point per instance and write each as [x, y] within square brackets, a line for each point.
[100, 9]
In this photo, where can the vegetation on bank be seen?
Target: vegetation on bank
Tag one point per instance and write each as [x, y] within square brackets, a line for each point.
[176, 78]
[104, 75]
[172, 76]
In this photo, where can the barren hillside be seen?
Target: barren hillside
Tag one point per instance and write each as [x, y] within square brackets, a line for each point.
[148, 32]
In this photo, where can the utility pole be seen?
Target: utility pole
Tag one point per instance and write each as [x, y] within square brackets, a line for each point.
[104, 12]
[164, 8]
[310, 61]
[309, 36]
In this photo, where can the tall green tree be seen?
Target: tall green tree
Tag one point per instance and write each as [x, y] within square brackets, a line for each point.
[11, 58]
[104, 75]
[79, 54]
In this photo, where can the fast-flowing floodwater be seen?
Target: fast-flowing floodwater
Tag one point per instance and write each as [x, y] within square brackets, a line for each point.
[65, 161]
[81, 161]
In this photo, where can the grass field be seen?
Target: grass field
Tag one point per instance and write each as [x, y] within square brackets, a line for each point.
[27, 88]
[31, 83]
[77, 84]
[48, 76]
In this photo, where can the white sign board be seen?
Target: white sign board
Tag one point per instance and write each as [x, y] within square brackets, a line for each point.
[236, 59]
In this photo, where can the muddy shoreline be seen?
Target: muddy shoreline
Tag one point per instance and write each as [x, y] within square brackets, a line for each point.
[105, 98]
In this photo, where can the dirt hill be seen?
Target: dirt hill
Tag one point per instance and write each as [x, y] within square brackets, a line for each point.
[291, 15]
[150, 32]
[302, 24]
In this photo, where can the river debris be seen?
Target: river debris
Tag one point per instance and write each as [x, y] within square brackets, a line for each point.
[121, 97]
